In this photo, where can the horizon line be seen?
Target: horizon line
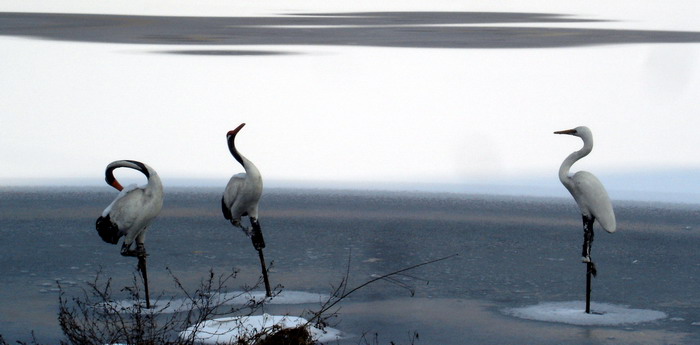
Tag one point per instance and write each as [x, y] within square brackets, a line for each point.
[524, 188]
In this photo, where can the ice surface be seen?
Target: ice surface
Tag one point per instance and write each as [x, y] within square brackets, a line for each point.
[602, 314]
[165, 306]
[227, 330]
[514, 252]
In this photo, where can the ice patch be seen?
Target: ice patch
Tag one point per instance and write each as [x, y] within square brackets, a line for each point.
[602, 314]
[228, 330]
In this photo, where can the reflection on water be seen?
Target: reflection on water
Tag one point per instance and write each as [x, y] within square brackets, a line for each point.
[513, 252]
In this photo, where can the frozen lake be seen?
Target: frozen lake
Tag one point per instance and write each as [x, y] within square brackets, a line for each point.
[409, 94]
[513, 253]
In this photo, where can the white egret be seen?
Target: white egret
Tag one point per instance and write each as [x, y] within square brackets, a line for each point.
[591, 198]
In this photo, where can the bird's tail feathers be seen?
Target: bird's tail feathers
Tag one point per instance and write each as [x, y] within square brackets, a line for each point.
[107, 230]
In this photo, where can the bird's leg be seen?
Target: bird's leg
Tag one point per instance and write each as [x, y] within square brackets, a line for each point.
[141, 255]
[590, 266]
[256, 234]
[587, 238]
[259, 244]
[587, 243]
[237, 223]
[140, 250]
[126, 250]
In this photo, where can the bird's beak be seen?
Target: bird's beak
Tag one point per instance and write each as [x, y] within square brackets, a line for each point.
[117, 185]
[568, 131]
[235, 131]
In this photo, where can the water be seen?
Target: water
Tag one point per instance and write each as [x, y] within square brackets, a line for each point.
[512, 252]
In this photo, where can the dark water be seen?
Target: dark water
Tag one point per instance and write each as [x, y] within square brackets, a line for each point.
[512, 252]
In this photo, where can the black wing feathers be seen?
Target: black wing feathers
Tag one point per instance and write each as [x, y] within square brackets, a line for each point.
[107, 230]
[225, 210]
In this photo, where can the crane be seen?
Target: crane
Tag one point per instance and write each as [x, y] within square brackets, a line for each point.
[131, 213]
[241, 198]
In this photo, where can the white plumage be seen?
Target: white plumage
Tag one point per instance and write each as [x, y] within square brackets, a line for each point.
[133, 210]
[241, 198]
[243, 192]
[589, 193]
[591, 198]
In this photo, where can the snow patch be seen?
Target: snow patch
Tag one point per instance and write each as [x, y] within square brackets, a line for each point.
[228, 330]
[602, 314]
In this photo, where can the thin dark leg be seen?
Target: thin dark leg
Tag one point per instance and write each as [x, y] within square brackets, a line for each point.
[142, 267]
[588, 288]
[259, 243]
[268, 292]
[587, 238]
[256, 234]
[590, 266]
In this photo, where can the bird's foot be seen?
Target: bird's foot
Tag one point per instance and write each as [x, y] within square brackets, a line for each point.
[128, 252]
[140, 251]
[591, 266]
[592, 269]
[237, 223]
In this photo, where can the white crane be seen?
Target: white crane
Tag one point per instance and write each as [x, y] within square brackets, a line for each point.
[591, 198]
[241, 198]
[131, 212]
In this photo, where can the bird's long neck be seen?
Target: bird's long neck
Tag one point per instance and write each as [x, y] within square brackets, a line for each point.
[250, 168]
[153, 189]
[154, 185]
[109, 173]
[571, 159]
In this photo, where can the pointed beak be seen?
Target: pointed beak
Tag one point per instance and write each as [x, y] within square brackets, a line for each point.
[235, 131]
[568, 131]
[117, 185]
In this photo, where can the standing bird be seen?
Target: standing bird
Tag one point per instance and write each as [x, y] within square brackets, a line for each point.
[591, 197]
[131, 213]
[241, 198]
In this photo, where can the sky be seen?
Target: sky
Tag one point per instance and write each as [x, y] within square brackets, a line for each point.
[403, 118]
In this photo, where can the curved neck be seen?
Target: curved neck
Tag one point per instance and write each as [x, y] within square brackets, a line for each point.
[154, 182]
[151, 175]
[234, 152]
[250, 168]
[571, 159]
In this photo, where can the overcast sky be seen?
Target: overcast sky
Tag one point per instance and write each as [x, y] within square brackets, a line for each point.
[354, 114]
